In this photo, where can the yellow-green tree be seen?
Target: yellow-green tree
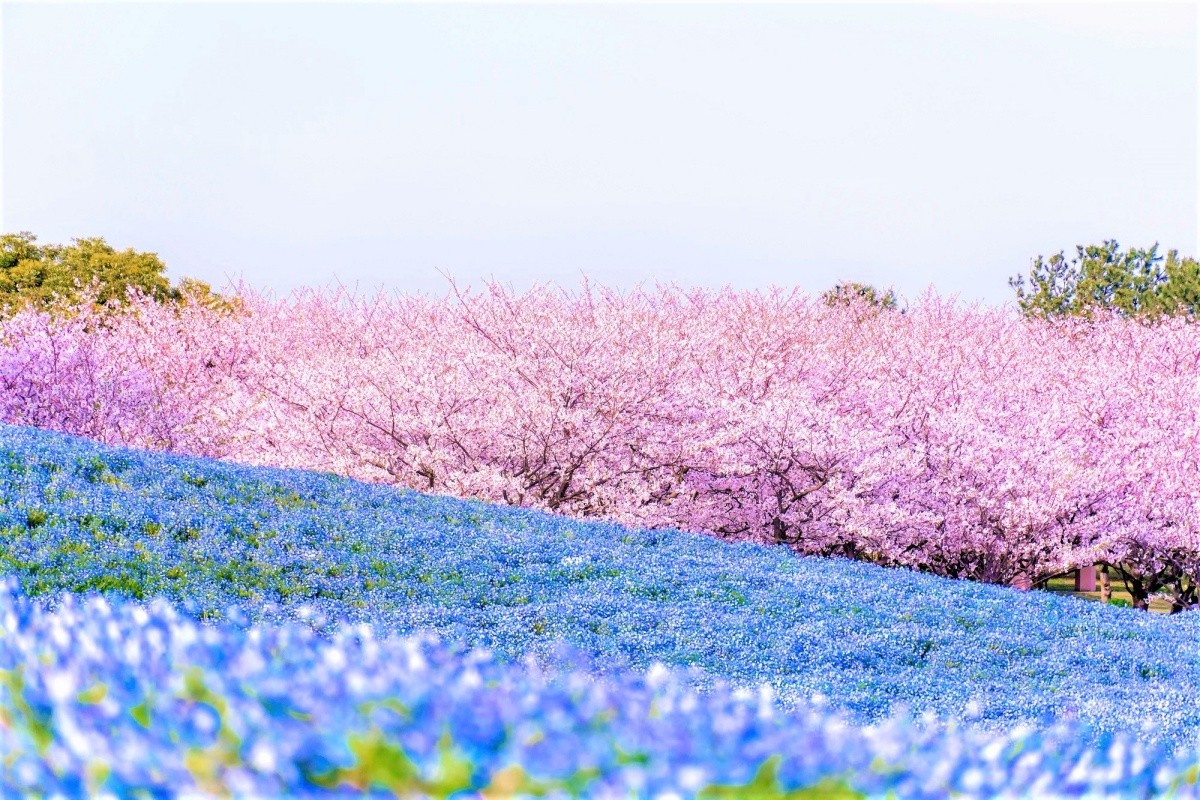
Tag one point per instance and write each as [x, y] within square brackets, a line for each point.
[33, 274]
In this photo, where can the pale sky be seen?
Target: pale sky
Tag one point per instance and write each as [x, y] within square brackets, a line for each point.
[711, 145]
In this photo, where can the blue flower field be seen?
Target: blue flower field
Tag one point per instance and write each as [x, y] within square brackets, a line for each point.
[266, 631]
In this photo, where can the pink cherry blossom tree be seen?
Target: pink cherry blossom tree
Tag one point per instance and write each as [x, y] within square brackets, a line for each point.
[964, 441]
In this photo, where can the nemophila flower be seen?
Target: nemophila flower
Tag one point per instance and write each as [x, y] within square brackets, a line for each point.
[648, 732]
[300, 652]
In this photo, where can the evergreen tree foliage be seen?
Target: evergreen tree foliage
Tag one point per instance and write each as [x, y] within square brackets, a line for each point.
[1136, 283]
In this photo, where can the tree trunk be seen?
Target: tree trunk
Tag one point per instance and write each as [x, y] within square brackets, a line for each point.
[1185, 597]
[1105, 585]
[1139, 591]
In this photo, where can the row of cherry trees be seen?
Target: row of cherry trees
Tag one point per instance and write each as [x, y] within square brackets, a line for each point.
[968, 442]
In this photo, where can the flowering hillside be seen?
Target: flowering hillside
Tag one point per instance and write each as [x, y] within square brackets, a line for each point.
[1022, 692]
[967, 443]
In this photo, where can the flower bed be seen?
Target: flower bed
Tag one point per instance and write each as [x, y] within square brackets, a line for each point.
[122, 698]
[1082, 685]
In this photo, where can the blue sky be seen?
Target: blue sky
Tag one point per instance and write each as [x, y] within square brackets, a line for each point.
[743, 145]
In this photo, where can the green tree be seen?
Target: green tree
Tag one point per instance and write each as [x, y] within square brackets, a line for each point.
[845, 293]
[33, 274]
[1181, 292]
[1134, 282]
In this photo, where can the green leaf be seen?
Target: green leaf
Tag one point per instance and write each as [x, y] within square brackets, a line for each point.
[765, 786]
[141, 713]
[93, 695]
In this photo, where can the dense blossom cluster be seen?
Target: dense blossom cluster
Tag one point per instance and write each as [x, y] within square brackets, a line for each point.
[963, 442]
[121, 698]
[264, 546]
